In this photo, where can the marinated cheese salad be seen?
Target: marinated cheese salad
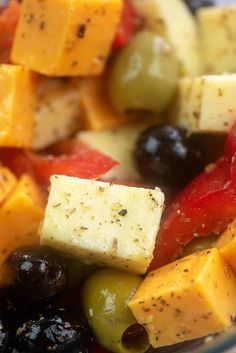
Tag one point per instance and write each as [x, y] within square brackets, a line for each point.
[117, 175]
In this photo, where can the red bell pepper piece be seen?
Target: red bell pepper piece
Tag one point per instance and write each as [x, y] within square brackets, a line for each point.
[129, 23]
[16, 160]
[207, 205]
[76, 159]
[9, 16]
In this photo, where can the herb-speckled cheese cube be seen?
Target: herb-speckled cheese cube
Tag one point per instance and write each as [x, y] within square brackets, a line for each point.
[227, 245]
[66, 37]
[206, 103]
[103, 223]
[56, 115]
[218, 38]
[187, 299]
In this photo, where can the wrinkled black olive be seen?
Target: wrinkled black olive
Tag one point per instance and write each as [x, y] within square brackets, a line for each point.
[166, 156]
[39, 274]
[53, 330]
[6, 337]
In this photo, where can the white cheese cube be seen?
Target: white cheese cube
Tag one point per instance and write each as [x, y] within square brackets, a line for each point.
[118, 144]
[172, 19]
[103, 223]
[57, 112]
[205, 104]
[218, 38]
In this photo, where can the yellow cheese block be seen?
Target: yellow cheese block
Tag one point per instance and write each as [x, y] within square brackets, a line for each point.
[189, 298]
[20, 217]
[218, 38]
[17, 99]
[227, 245]
[205, 104]
[97, 112]
[7, 183]
[66, 37]
[56, 114]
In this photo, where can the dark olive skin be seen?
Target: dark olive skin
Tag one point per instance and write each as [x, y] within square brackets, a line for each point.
[53, 330]
[6, 337]
[38, 274]
[166, 156]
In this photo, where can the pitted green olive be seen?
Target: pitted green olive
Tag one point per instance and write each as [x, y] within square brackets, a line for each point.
[144, 74]
[199, 244]
[105, 297]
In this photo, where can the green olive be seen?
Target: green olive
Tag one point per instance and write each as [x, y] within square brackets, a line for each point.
[199, 244]
[143, 75]
[105, 297]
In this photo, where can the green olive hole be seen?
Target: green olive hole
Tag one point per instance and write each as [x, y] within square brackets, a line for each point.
[135, 338]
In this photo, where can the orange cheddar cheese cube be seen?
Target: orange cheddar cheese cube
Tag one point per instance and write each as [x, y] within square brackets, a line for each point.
[17, 99]
[97, 112]
[187, 299]
[20, 217]
[66, 37]
[227, 245]
[7, 183]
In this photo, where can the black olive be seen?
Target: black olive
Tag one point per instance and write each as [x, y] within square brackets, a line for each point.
[166, 156]
[39, 274]
[7, 308]
[55, 331]
[6, 337]
[195, 5]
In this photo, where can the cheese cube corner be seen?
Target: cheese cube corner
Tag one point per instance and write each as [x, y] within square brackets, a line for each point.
[20, 217]
[218, 38]
[56, 115]
[118, 144]
[102, 223]
[205, 104]
[187, 299]
[97, 112]
[74, 42]
[7, 183]
[17, 104]
[227, 246]
[180, 30]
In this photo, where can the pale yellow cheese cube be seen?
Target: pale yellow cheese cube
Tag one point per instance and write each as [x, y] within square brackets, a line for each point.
[56, 114]
[17, 103]
[118, 144]
[102, 223]
[187, 299]
[66, 37]
[205, 104]
[227, 246]
[173, 20]
[218, 38]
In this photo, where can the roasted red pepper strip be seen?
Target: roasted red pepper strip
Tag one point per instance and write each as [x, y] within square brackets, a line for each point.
[77, 160]
[9, 16]
[130, 22]
[207, 205]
